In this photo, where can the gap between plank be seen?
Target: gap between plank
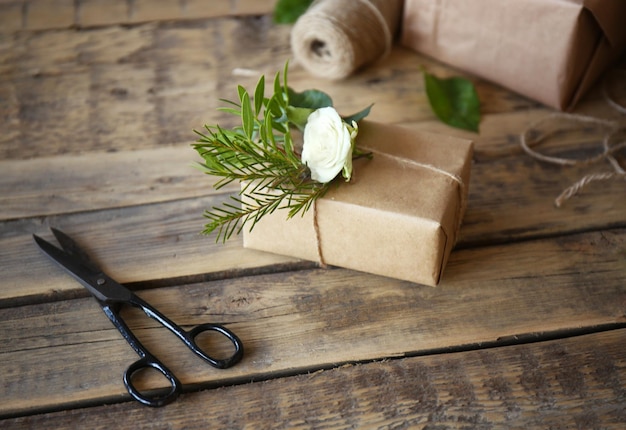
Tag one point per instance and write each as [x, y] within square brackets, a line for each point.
[150, 284]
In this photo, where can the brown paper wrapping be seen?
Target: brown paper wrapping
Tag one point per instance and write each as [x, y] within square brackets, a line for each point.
[399, 217]
[551, 51]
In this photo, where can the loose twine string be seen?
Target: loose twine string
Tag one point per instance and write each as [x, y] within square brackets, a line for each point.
[406, 162]
[336, 37]
[609, 148]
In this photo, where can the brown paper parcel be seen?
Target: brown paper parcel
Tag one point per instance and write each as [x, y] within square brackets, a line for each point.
[398, 217]
[551, 51]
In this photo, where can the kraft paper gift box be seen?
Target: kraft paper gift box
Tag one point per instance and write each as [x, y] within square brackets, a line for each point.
[398, 217]
[552, 51]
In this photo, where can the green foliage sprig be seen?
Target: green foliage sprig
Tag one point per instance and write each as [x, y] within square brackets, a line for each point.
[260, 153]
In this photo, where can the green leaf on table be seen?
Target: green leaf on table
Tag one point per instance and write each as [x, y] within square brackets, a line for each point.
[454, 101]
[288, 11]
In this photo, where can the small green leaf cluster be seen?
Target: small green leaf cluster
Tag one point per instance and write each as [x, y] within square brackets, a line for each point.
[260, 154]
[454, 101]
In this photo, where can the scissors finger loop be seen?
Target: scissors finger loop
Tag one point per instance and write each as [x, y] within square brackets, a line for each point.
[220, 363]
[156, 400]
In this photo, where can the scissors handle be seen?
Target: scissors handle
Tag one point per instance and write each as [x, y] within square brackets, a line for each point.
[157, 400]
[220, 363]
[189, 337]
[149, 361]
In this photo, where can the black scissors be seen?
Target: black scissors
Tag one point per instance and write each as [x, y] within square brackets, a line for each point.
[112, 296]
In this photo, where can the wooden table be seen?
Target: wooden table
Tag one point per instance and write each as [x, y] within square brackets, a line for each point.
[98, 99]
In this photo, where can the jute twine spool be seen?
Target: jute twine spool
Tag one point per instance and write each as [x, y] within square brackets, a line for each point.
[336, 37]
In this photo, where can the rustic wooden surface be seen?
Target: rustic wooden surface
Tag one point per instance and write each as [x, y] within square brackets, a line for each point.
[98, 100]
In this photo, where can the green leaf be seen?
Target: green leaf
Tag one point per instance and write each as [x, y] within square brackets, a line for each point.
[247, 119]
[285, 74]
[241, 91]
[358, 116]
[259, 94]
[298, 116]
[288, 11]
[278, 89]
[229, 110]
[310, 99]
[454, 101]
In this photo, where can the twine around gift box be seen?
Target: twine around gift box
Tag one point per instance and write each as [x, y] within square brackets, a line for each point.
[336, 37]
[407, 163]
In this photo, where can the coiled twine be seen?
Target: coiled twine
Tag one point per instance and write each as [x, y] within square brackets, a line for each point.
[334, 38]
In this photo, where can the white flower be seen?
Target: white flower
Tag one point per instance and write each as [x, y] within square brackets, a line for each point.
[328, 145]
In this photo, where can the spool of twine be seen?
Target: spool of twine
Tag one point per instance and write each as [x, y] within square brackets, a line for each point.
[334, 38]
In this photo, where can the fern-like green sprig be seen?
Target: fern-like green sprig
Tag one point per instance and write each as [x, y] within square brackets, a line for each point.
[260, 154]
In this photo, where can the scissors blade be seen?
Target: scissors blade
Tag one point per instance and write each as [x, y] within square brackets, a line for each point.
[104, 288]
[71, 247]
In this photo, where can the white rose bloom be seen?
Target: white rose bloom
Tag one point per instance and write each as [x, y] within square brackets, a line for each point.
[327, 147]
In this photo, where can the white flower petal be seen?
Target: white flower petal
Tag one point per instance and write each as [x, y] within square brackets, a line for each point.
[327, 144]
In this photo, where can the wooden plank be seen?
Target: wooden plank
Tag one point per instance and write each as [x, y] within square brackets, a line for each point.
[49, 185]
[137, 244]
[121, 88]
[38, 15]
[45, 14]
[72, 183]
[91, 13]
[569, 383]
[66, 184]
[292, 322]
[142, 90]
[513, 198]
[166, 235]
[10, 17]
[157, 10]
[130, 88]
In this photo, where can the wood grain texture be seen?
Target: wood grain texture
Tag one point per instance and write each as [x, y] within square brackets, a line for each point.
[129, 88]
[116, 239]
[88, 182]
[38, 15]
[500, 204]
[141, 237]
[572, 383]
[297, 321]
[141, 88]
[98, 100]
[119, 88]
